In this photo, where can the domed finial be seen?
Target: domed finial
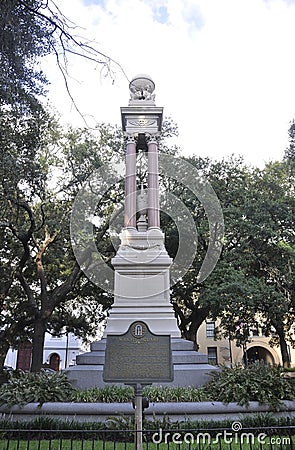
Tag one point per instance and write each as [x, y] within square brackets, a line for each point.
[141, 90]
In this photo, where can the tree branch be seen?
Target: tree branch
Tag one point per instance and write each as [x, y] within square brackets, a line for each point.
[60, 23]
[39, 264]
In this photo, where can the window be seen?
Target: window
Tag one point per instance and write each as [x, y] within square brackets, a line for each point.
[212, 355]
[210, 329]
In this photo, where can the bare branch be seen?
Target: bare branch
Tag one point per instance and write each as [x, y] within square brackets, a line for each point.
[63, 72]
[62, 24]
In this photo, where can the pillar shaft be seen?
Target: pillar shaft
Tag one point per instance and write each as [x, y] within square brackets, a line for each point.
[130, 183]
[153, 184]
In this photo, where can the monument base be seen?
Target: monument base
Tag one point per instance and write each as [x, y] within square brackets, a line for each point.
[191, 368]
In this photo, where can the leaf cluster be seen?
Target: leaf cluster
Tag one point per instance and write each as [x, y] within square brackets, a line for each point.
[107, 394]
[174, 394]
[24, 38]
[256, 382]
[23, 388]
[114, 393]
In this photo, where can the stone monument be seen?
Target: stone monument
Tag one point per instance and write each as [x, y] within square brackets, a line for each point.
[142, 282]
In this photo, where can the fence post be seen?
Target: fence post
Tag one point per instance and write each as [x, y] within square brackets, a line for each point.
[138, 416]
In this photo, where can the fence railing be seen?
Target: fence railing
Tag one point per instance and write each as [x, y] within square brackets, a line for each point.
[272, 438]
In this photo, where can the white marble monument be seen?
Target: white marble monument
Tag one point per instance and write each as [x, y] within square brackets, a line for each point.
[142, 282]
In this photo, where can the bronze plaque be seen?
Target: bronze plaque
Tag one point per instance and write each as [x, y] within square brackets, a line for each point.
[138, 356]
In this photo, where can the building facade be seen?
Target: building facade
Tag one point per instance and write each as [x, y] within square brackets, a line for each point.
[225, 352]
[59, 353]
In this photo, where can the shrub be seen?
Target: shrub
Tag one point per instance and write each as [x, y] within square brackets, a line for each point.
[119, 423]
[23, 388]
[256, 382]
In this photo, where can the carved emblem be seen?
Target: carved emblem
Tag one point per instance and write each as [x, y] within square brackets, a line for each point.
[138, 330]
[143, 123]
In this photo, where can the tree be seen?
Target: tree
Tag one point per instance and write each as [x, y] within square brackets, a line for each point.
[191, 299]
[263, 263]
[274, 251]
[289, 155]
[22, 178]
[23, 39]
[45, 289]
[30, 216]
[254, 275]
[29, 30]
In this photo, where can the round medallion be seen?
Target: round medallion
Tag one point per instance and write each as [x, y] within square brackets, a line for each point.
[138, 330]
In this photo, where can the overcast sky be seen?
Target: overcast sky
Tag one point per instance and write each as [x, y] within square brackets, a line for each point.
[224, 69]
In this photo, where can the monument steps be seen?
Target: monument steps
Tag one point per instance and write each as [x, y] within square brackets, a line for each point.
[191, 368]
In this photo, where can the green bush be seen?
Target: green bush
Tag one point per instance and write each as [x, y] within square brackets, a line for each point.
[256, 382]
[23, 388]
[118, 423]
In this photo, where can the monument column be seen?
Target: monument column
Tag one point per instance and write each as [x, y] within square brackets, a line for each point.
[153, 182]
[142, 264]
[130, 182]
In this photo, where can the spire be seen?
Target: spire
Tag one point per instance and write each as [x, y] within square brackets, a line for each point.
[142, 123]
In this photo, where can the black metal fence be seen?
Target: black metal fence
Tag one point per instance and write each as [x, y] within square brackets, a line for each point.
[273, 438]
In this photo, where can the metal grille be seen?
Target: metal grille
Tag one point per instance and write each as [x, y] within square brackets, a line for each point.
[273, 438]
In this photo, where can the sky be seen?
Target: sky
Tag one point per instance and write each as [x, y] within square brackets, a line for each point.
[224, 70]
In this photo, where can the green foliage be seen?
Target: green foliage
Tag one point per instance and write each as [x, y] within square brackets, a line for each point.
[107, 394]
[4, 375]
[23, 388]
[174, 394]
[24, 38]
[33, 221]
[256, 382]
[48, 423]
[255, 273]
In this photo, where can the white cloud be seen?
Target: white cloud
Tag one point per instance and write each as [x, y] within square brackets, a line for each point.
[224, 70]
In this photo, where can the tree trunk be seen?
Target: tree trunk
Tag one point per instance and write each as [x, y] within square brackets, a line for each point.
[38, 345]
[197, 318]
[284, 348]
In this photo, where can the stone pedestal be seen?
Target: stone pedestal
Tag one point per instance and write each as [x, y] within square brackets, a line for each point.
[142, 293]
[142, 284]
